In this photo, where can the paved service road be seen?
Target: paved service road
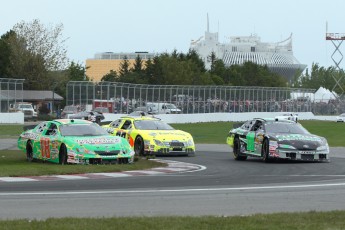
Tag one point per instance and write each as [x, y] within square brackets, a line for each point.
[225, 187]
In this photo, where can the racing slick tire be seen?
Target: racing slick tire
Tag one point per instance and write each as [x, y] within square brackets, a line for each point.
[265, 151]
[237, 150]
[63, 155]
[29, 152]
[139, 146]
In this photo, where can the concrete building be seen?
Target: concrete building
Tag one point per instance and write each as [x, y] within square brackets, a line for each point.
[103, 63]
[277, 56]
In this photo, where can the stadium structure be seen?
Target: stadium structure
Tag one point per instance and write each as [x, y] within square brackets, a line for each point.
[278, 57]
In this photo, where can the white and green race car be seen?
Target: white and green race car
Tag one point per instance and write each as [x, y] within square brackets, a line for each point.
[275, 138]
[74, 141]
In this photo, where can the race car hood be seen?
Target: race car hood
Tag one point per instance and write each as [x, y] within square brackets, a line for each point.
[299, 141]
[99, 143]
[167, 135]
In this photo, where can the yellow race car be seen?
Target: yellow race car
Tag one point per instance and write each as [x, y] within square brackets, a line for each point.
[149, 135]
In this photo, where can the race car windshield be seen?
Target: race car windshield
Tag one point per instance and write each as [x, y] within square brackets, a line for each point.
[152, 125]
[285, 128]
[82, 130]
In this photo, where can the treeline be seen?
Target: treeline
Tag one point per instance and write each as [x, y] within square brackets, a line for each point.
[189, 69]
[37, 53]
[329, 78]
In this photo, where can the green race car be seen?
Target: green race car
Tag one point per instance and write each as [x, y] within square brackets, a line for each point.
[72, 141]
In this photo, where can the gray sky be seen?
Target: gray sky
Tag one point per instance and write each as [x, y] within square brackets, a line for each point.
[94, 26]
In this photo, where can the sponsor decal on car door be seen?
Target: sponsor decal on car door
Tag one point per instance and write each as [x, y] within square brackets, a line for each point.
[250, 141]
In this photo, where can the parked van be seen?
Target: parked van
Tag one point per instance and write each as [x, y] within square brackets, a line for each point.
[26, 108]
[162, 108]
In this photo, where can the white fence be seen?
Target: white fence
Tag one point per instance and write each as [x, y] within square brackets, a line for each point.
[215, 117]
[12, 118]
[18, 118]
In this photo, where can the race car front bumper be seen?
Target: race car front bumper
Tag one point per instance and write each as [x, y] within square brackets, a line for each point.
[166, 151]
[304, 155]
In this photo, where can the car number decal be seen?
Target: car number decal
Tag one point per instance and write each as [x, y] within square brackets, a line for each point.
[45, 148]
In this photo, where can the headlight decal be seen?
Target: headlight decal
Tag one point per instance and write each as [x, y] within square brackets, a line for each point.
[190, 142]
[285, 146]
[158, 142]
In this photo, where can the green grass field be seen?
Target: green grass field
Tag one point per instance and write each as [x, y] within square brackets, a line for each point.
[216, 132]
[280, 221]
[10, 131]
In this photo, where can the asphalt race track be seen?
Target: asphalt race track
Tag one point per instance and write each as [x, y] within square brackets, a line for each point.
[226, 187]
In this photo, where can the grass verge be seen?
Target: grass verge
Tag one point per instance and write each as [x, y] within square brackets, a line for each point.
[278, 221]
[216, 132]
[13, 163]
[10, 131]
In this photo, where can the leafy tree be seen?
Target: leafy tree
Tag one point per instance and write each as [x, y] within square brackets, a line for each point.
[219, 69]
[33, 52]
[124, 68]
[217, 80]
[46, 42]
[58, 82]
[195, 58]
[5, 53]
[329, 78]
[176, 72]
[251, 74]
[76, 72]
[212, 58]
[206, 79]
[189, 69]
[154, 70]
[44, 109]
[111, 76]
[138, 65]
[24, 64]
[148, 70]
[174, 54]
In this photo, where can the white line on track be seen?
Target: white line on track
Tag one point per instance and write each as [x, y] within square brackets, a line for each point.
[172, 168]
[304, 175]
[171, 190]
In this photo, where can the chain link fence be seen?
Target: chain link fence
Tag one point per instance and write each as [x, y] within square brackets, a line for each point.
[125, 98]
[11, 91]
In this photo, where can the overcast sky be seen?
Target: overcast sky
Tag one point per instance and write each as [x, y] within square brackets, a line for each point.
[94, 26]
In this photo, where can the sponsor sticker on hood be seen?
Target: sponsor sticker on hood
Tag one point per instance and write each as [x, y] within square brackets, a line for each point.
[166, 133]
[293, 137]
[99, 141]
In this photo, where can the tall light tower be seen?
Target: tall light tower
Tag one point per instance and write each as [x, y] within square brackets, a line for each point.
[337, 39]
